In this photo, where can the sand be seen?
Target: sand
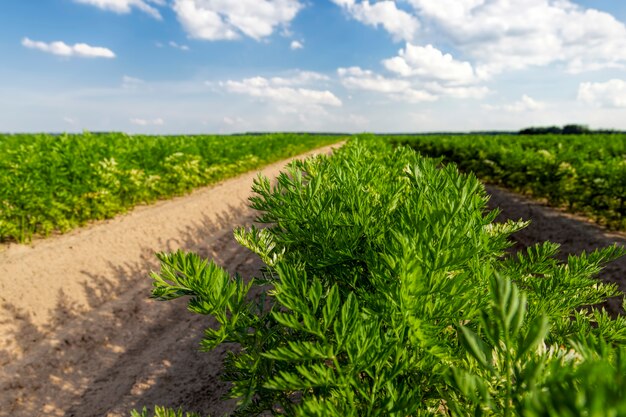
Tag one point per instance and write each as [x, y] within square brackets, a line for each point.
[79, 335]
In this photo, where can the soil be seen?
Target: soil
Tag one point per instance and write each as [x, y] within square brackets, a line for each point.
[79, 335]
[574, 233]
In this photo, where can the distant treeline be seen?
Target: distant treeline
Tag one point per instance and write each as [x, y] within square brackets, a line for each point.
[565, 130]
[571, 129]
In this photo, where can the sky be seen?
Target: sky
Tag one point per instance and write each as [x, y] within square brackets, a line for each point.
[226, 66]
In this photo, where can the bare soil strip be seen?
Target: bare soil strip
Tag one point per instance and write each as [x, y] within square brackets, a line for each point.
[80, 337]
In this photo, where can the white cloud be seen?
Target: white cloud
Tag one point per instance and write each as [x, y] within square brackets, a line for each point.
[419, 74]
[503, 34]
[62, 49]
[410, 90]
[226, 19]
[461, 92]
[525, 104]
[499, 35]
[300, 78]
[148, 122]
[430, 63]
[399, 89]
[125, 6]
[178, 46]
[296, 45]
[360, 79]
[415, 96]
[399, 23]
[189, 106]
[608, 94]
[264, 88]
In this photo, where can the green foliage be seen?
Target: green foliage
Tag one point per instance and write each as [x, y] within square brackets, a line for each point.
[54, 183]
[582, 173]
[387, 292]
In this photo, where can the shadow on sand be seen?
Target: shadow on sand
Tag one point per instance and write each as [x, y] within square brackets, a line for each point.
[125, 350]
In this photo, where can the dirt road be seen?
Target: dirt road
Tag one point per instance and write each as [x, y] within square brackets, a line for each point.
[79, 335]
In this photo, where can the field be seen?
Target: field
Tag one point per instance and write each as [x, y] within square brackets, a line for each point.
[581, 173]
[54, 183]
[388, 289]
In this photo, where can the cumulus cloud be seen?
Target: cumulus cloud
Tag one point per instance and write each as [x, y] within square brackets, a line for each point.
[267, 89]
[62, 49]
[608, 94]
[499, 35]
[415, 96]
[503, 34]
[226, 20]
[400, 24]
[300, 78]
[418, 74]
[360, 79]
[460, 92]
[430, 63]
[296, 45]
[525, 104]
[148, 122]
[125, 6]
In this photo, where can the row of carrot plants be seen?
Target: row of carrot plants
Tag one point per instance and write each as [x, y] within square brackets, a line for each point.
[57, 182]
[387, 291]
[582, 173]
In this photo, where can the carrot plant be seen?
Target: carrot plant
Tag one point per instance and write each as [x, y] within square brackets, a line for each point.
[58, 182]
[387, 291]
[582, 173]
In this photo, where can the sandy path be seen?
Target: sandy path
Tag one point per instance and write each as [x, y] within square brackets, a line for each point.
[79, 337]
[78, 334]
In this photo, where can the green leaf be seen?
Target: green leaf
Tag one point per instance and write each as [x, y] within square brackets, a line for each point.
[347, 320]
[331, 307]
[536, 333]
[300, 351]
[476, 347]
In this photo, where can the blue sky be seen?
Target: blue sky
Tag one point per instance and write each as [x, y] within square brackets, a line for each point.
[222, 66]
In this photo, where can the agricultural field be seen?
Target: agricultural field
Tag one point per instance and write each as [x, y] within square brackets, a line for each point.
[52, 183]
[261, 208]
[371, 282]
[386, 292]
[582, 173]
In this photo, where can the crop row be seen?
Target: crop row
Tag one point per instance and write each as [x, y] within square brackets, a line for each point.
[388, 292]
[583, 173]
[55, 183]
